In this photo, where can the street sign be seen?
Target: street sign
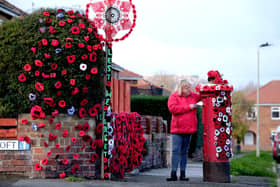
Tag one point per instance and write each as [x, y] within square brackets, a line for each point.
[13, 145]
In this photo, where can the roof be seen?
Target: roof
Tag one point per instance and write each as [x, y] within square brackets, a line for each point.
[129, 75]
[117, 67]
[10, 9]
[269, 93]
[147, 85]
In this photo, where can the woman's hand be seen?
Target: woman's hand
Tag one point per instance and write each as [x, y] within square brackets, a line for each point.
[193, 106]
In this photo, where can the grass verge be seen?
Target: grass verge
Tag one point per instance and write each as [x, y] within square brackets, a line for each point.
[250, 165]
[75, 179]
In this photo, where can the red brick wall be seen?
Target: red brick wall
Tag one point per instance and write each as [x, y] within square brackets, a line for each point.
[22, 162]
[120, 96]
[266, 126]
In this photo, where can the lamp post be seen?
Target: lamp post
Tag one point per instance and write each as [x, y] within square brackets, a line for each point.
[258, 96]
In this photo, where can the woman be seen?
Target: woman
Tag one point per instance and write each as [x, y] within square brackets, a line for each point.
[182, 105]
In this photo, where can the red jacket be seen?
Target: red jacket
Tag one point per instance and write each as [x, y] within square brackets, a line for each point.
[184, 119]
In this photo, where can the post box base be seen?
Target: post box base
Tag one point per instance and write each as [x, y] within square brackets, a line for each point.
[216, 172]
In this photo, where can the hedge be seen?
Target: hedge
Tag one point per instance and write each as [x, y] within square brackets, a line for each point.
[17, 37]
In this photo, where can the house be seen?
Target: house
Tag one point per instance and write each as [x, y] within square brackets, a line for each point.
[269, 116]
[140, 86]
[8, 11]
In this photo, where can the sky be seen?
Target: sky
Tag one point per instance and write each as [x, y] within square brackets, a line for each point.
[191, 37]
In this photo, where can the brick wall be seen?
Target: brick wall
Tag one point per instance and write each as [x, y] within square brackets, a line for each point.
[266, 126]
[22, 162]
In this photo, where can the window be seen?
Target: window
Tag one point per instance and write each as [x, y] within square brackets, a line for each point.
[275, 113]
[252, 113]
[249, 138]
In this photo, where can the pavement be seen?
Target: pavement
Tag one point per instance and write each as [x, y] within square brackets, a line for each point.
[150, 178]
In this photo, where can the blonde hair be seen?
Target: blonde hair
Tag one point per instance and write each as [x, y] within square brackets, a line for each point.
[182, 84]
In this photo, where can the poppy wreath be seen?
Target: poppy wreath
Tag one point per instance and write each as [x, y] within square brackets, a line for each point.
[128, 143]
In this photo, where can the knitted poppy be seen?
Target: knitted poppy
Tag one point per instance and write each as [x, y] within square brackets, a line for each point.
[84, 57]
[68, 148]
[92, 57]
[57, 126]
[82, 26]
[85, 89]
[75, 30]
[69, 21]
[37, 73]
[90, 30]
[78, 127]
[38, 63]
[46, 13]
[87, 76]
[45, 76]
[109, 83]
[48, 20]
[83, 146]
[33, 49]
[71, 59]
[50, 120]
[64, 72]
[57, 84]
[65, 161]
[105, 160]
[81, 45]
[27, 139]
[52, 137]
[74, 140]
[54, 66]
[44, 161]
[49, 153]
[44, 42]
[94, 144]
[27, 67]
[37, 167]
[75, 91]
[82, 112]
[68, 45]
[46, 144]
[62, 103]
[106, 175]
[55, 113]
[62, 175]
[24, 121]
[57, 146]
[22, 77]
[81, 133]
[70, 12]
[53, 75]
[94, 157]
[48, 101]
[99, 128]
[86, 127]
[93, 71]
[65, 133]
[84, 102]
[20, 138]
[87, 39]
[87, 138]
[72, 82]
[47, 55]
[92, 112]
[55, 43]
[83, 67]
[75, 168]
[61, 23]
[41, 125]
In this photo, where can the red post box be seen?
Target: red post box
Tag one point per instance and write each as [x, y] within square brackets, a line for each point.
[217, 129]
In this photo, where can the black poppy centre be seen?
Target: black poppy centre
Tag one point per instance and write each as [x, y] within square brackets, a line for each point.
[112, 15]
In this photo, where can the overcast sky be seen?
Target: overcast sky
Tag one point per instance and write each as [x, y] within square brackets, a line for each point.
[191, 37]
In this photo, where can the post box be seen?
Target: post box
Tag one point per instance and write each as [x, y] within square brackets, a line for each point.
[217, 129]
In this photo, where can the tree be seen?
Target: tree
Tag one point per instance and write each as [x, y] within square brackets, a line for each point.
[240, 106]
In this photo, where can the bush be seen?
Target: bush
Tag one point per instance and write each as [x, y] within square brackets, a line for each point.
[16, 40]
[151, 105]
